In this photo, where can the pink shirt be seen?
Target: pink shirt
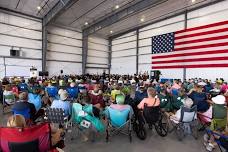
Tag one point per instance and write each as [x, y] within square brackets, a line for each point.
[150, 102]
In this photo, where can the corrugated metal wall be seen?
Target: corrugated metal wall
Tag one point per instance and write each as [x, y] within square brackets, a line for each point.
[20, 33]
[64, 51]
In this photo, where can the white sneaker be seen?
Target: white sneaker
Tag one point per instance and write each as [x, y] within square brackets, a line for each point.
[210, 147]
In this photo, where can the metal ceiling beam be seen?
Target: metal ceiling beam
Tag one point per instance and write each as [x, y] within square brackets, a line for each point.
[124, 13]
[57, 9]
[170, 15]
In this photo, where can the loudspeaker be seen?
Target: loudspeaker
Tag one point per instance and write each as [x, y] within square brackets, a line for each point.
[14, 52]
[43, 73]
[46, 73]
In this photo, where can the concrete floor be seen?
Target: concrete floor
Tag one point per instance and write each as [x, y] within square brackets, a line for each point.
[120, 143]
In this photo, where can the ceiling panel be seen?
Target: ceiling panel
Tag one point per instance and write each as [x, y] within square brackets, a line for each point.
[89, 11]
[168, 8]
[29, 6]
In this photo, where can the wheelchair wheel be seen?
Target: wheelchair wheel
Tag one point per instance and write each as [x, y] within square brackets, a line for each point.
[179, 132]
[162, 126]
[141, 133]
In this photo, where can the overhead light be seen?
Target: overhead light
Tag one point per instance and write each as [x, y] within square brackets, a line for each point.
[38, 7]
[86, 23]
[193, 1]
[111, 32]
[117, 6]
[142, 19]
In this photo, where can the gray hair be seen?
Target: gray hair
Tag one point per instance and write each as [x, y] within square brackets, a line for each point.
[151, 92]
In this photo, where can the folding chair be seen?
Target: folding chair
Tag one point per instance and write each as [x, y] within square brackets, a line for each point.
[119, 121]
[57, 116]
[4, 104]
[187, 123]
[52, 92]
[32, 139]
[73, 92]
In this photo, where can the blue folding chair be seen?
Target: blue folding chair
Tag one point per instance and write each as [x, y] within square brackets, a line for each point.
[52, 91]
[73, 92]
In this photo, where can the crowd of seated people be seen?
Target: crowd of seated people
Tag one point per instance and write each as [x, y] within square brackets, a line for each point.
[100, 91]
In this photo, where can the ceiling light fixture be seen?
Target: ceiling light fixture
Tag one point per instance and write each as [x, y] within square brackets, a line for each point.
[86, 23]
[142, 19]
[193, 1]
[38, 7]
[111, 32]
[117, 6]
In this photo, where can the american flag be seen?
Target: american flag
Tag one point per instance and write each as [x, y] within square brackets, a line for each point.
[199, 47]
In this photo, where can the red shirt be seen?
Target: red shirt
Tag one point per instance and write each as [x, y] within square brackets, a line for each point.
[96, 98]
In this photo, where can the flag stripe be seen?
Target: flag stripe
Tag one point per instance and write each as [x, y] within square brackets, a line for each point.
[192, 51]
[190, 54]
[201, 33]
[202, 40]
[202, 46]
[190, 66]
[191, 60]
[202, 27]
[201, 37]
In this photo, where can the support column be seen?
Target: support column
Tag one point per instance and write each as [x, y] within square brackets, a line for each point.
[185, 27]
[84, 51]
[137, 51]
[44, 46]
[4, 62]
[109, 55]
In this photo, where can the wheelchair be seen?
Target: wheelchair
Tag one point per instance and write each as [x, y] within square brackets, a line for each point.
[154, 118]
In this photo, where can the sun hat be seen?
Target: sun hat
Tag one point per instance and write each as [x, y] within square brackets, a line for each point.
[63, 95]
[219, 99]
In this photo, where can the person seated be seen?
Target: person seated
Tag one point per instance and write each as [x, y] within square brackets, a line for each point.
[219, 113]
[15, 90]
[18, 121]
[73, 90]
[23, 104]
[114, 92]
[62, 103]
[199, 98]
[8, 95]
[23, 86]
[96, 97]
[140, 94]
[177, 100]
[151, 101]
[35, 98]
[175, 117]
[165, 100]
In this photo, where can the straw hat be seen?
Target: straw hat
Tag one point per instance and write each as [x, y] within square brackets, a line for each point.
[219, 99]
